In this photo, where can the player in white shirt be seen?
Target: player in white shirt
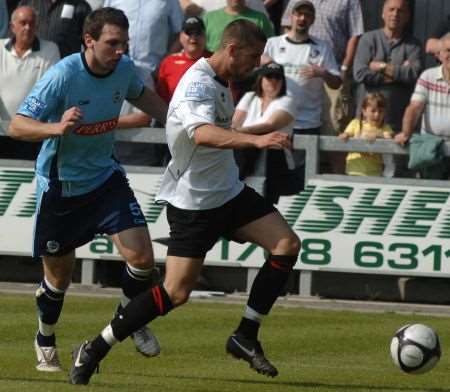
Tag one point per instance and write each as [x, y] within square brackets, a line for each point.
[206, 200]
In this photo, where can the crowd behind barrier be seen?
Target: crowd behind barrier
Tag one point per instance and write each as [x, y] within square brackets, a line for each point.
[314, 146]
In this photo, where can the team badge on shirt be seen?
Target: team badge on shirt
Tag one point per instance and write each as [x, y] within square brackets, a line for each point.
[196, 90]
[117, 97]
[34, 106]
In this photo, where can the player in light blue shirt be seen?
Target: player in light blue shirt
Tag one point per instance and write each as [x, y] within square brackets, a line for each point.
[82, 190]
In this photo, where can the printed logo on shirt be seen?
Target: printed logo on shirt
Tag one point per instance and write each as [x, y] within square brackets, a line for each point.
[34, 106]
[117, 97]
[196, 90]
[96, 128]
[314, 55]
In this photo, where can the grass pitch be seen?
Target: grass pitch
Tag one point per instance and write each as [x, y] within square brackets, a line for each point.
[314, 350]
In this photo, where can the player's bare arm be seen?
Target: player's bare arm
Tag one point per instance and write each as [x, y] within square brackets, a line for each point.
[212, 136]
[28, 129]
[152, 104]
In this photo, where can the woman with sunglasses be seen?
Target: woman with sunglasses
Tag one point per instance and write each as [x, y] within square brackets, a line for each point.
[265, 109]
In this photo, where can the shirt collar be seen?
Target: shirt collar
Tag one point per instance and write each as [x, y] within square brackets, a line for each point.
[35, 46]
[309, 40]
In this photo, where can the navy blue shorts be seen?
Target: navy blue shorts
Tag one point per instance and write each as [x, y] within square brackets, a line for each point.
[66, 223]
[194, 232]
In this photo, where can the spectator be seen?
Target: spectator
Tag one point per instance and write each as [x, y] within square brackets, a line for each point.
[389, 60]
[3, 19]
[431, 102]
[265, 110]
[154, 29]
[216, 21]
[197, 7]
[340, 24]
[23, 60]
[309, 64]
[61, 22]
[433, 43]
[173, 67]
[370, 126]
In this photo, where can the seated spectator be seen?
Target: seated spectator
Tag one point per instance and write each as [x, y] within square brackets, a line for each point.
[216, 21]
[432, 45]
[264, 110]
[389, 61]
[369, 126]
[431, 102]
[61, 22]
[23, 60]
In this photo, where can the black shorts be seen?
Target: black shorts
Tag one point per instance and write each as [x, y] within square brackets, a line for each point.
[194, 232]
[65, 223]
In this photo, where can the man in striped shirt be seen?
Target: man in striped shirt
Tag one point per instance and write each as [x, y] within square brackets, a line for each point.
[431, 100]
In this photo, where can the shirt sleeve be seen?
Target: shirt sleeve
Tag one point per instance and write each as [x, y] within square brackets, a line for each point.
[355, 18]
[352, 128]
[197, 107]
[136, 85]
[287, 104]
[245, 101]
[175, 16]
[45, 97]
[363, 57]
[329, 61]
[421, 92]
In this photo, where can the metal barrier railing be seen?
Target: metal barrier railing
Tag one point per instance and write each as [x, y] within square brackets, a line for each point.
[313, 146]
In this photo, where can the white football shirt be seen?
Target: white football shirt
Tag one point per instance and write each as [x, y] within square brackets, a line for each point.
[199, 177]
[308, 93]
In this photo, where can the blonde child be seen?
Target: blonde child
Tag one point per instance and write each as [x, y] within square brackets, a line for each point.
[369, 126]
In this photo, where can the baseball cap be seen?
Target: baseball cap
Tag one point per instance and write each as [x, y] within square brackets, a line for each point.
[304, 3]
[193, 24]
[273, 69]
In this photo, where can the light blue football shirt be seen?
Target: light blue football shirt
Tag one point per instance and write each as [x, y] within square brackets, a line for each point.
[82, 159]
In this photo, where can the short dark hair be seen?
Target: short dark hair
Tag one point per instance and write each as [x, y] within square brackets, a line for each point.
[257, 87]
[96, 20]
[243, 32]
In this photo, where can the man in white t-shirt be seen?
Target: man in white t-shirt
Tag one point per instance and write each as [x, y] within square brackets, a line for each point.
[308, 62]
[206, 200]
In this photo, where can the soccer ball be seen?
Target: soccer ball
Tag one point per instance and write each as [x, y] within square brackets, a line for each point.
[415, 348]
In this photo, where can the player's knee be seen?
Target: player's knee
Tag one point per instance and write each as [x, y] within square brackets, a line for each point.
[178, 297]
[289, 245]
[60, 281]
[142, 260]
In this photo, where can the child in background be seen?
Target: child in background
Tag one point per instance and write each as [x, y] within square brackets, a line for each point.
[369, 126]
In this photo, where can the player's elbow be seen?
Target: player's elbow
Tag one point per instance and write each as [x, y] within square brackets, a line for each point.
[13, 130]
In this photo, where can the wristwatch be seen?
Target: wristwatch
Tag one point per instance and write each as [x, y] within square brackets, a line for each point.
[344, 68]
[383, 67]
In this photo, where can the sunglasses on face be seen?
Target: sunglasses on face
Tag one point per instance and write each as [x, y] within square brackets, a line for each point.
[273, 76]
